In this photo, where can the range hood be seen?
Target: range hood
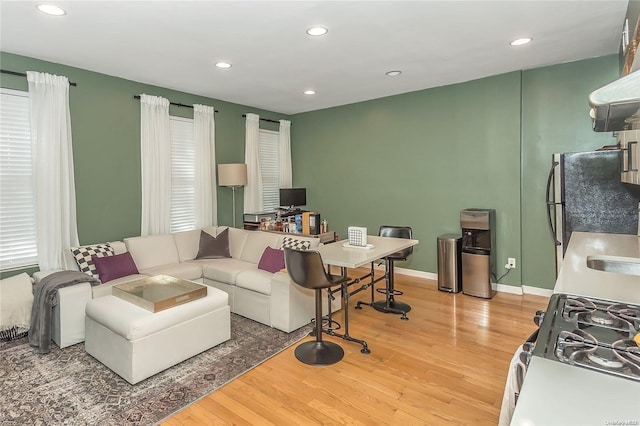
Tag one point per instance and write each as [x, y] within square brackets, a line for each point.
[616, 106]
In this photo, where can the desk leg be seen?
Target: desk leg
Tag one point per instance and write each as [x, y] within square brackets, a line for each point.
[345, 296]
[371, 285]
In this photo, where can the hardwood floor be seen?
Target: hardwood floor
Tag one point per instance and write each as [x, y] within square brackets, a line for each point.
[446, 365]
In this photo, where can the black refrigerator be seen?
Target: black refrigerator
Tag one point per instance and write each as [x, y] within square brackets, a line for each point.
[584, 193]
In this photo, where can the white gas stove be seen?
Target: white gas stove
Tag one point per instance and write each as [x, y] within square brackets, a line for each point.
[585, 368]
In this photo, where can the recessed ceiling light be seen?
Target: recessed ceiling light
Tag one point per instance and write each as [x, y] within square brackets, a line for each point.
[50, 9]
[317, 31]
[521, 41]
[393, 73]
[309, 92]
[223, 65]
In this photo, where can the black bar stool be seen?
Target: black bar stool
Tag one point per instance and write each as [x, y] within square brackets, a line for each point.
[306, 269]
[390, 304]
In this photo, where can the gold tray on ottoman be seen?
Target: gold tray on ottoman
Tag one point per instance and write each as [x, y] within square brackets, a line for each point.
[159, 292]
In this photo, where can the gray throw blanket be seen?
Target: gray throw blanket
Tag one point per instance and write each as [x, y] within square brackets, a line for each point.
[44, 299]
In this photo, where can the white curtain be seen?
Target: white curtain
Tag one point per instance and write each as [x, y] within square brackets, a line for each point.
[52, 153]
[155, 154]
[253, 189]
[204, 127]
[284, 142]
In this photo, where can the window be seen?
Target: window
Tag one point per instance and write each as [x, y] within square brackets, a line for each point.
[268, 153]
[183, 175]
[17, 193]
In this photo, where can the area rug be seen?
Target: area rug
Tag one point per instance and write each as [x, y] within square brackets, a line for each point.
[68, 386]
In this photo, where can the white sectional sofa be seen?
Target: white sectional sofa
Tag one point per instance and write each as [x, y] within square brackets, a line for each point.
[269, 298]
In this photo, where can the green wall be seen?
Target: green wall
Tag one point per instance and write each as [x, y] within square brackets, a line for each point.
[105, 121]
[415, 159]
[419, 158]
[555, 107]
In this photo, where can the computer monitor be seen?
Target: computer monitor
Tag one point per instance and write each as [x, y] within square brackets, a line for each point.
[293, 197]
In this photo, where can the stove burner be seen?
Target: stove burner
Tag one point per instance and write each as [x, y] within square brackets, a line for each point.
[602, 318]
[626, 312]
[605, 358]
[628, 350]
[629, 353]
[577, 305]
[618, 316]
[573, 342]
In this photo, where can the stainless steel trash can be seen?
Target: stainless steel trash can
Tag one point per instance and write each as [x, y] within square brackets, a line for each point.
[449, 263]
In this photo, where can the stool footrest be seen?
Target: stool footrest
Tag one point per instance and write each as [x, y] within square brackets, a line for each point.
[393, 292]
[326, 324]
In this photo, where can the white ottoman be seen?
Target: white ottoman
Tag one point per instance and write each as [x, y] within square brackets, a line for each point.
[137, 344]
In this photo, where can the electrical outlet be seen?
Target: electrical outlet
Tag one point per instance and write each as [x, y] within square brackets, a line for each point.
[511, 262]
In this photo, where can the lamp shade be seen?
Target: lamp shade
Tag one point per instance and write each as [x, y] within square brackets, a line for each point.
[232, 174]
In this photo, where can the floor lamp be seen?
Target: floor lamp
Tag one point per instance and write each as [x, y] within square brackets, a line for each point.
[233, 176]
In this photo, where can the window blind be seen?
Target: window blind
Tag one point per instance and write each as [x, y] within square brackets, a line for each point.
[183, 176]
[17, 193]
[268, 155]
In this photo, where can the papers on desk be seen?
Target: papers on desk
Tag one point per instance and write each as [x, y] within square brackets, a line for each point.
[365, 247]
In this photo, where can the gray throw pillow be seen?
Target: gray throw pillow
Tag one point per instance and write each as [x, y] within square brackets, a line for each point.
[214, 247]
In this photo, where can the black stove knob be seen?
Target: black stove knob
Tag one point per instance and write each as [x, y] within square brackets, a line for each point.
[538, 317]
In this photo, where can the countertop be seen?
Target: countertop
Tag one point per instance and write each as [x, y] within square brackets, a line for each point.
[576, 278]
[554, 393]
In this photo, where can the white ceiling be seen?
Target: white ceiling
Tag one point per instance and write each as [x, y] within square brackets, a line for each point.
[175, 44]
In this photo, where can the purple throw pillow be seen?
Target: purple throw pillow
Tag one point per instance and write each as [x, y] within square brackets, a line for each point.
[272, 260]
[116, 266]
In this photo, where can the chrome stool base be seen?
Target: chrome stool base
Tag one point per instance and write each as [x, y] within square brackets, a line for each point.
[319, 353]
[393, 307]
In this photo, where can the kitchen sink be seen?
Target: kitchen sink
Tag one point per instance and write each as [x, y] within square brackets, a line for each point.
[618, 265]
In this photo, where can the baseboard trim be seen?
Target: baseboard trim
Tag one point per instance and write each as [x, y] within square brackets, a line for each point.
[537, 291]
[415, 273]
[503, 288]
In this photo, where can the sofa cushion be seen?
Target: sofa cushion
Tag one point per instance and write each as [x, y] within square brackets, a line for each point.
[84, 257]
[256, 280]
[272, 260]
[187, 242]
[185, 270]
[133, 322]
[116, 266]
[256, 242]
[224, 270]
[153, 250]
[211, 247]
[237, 240]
